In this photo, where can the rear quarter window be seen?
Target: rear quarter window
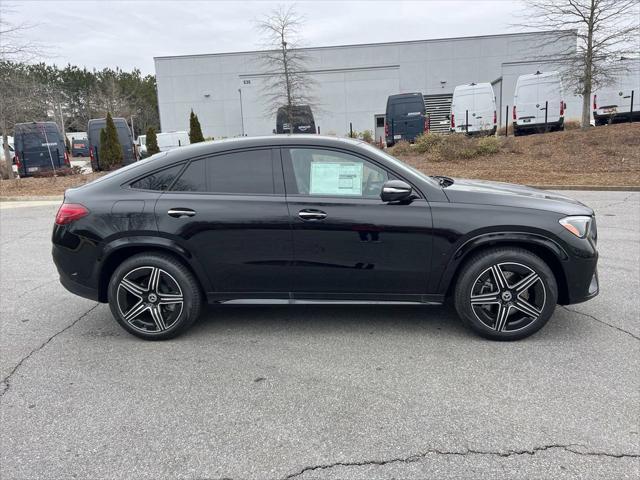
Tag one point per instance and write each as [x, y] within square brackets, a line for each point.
[158, 181]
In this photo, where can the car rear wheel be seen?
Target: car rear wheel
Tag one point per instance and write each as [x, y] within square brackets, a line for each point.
[506, 294]
[154, 296]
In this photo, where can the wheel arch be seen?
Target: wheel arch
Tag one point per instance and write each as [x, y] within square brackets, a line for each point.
[119, 251]
[547, 249]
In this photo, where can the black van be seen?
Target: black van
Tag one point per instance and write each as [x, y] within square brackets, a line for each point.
[301, 118]
[406, 118]
[79, 147]
[39, 147]
[124, 136]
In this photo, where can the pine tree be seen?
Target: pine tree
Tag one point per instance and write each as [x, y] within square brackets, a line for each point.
[195, 131]
[152, 142]
[110, 153]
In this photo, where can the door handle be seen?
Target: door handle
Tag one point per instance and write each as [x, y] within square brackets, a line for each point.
[181, 212]
[312, 215]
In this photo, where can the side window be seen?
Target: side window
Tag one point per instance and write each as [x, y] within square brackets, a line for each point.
[330, 173]
[193, 179]
[248, 172]
[158, 181]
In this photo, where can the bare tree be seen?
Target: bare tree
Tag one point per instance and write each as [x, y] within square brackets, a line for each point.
[288, 83]
[14, 93]
[607, 30]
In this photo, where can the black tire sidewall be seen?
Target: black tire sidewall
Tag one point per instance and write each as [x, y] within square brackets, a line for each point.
[477, 264]
[188, 284]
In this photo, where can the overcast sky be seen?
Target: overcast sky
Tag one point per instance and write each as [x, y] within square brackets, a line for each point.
[130, 33]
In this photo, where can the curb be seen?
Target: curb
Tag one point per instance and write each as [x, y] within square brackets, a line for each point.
[42, 198]
[602, 188]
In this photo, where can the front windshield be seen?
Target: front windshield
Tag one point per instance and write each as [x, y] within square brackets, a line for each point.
[398, 163]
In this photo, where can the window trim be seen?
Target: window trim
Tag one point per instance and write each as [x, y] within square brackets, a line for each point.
[276, 168]
[129, 183]
[289, 175]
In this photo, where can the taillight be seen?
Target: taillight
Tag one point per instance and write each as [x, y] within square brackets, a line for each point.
[426, 124]
[70, 212]
[66, 159]
[561, 108]
[386, 129]
[91, 153]
[453, 120]
[595, 103]
[495, 117]
[18, 164]
[515, 115]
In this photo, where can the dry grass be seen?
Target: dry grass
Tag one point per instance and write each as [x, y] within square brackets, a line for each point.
[593, 157]
[25, 187]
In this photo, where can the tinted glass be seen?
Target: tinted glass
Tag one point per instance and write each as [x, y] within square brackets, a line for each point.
[331, 173]
[193, 179]
[249, 172]
[408, 107]
[158, 181]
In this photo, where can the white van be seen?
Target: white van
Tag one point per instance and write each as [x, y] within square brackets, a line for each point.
[613, 103]
[170, 140]
[473, 109]
[534, 93]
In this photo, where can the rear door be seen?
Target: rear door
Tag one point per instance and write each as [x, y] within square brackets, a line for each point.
[407, 115]
[549, 98]
[40, 148]
[484, 108]
[229, 211]
[526, 102]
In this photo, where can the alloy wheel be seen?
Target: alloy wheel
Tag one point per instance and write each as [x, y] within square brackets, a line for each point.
[150, 299]
[508, 297]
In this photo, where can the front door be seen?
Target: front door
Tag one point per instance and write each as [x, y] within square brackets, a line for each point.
[230, 212]
[348, 244]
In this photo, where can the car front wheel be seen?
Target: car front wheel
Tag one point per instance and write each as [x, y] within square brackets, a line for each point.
[154, 296]
[506, 294]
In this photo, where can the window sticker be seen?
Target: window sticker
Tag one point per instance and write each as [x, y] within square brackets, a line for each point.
[336, 178]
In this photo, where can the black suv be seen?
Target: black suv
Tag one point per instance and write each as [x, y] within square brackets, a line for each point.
[308, 218]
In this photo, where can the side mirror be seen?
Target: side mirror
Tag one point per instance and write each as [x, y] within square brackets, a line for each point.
[396, 191]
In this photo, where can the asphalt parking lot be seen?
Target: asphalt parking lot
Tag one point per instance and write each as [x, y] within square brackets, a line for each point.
[327, 392]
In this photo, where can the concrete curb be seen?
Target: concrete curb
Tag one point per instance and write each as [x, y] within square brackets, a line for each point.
[42, 198]
[602, 188]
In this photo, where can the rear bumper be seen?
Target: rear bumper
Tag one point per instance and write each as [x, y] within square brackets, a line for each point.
[78, 289]
[538, 127]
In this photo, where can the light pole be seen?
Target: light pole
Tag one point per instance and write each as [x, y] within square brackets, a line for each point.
[241, 113]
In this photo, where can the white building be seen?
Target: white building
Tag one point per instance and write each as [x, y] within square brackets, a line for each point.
[352, 81]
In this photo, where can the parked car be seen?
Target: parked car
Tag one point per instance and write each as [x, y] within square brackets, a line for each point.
[302, 120]
[124, 136]
[612, 104]
[39, 147]
[80, 147]
[170, 140]
[406, 118]
[303, 218]
[473, 109]
[538, 103]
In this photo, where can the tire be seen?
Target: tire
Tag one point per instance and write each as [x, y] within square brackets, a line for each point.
[158, 313]
[506, 293]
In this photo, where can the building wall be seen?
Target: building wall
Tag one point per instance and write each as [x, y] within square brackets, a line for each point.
[352, 82]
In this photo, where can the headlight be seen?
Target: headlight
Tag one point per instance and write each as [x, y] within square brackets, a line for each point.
[578, 225]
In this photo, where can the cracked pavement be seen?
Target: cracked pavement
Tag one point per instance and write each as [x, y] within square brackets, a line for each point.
[317, 392]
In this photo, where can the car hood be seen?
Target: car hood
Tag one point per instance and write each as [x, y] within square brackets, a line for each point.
[511, 195]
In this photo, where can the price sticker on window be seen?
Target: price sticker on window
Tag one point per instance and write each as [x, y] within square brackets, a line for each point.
[336, 178]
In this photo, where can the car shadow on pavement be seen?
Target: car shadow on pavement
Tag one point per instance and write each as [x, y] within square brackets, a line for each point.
[311, 319]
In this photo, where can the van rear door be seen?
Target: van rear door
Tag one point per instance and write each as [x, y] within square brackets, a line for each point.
[39, 147]
[549, 93]
[407, 118]
[484, 108]
[526, 101]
